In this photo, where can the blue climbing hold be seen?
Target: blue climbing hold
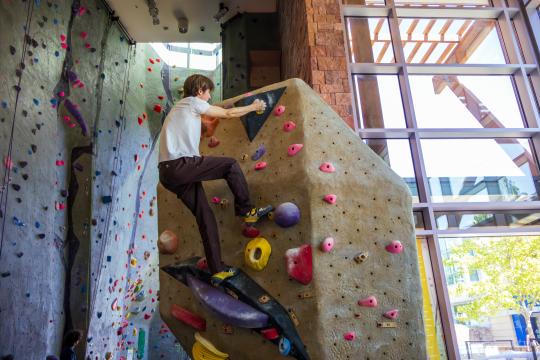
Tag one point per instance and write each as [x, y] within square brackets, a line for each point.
[18, 222]
[284, 346]
[37, 224]
[4, 104]
[98, 172]
[55, 21]
[106, 199]
[54, 101]
[36, 101]
[57, 53]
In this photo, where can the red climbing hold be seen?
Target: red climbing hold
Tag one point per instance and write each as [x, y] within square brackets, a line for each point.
[270, 334]
[149, 69]
[158, 59]
[144, 115]
[87, 45]
[327, 167]
[188, 318]
[151, 60]
[370, 301]
[84, 34]
[64, 45]
[250, 232]
[280, 109]
[8, 163]
[161, 97]
[349, 336]
[62, 37]
[260, 165]
[330, 198]
[216, 200]
[157, 108]
[395, 247]
[289, 126]
[300, 263]
[202, 264]
[294, 148]
[140, 120]
[147, 316]
[391, 314]
[59, 162]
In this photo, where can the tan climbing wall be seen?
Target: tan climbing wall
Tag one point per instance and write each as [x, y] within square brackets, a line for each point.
[373, 208]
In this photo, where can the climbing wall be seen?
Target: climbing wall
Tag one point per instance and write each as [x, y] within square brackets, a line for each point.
[79, 118]
[365, 298]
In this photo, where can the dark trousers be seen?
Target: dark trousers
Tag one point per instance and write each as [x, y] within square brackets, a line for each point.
[183, 176]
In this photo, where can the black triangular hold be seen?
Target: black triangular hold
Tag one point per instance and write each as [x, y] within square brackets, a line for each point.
[253, 122]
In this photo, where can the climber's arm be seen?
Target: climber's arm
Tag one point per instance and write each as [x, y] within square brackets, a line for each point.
[219, 112]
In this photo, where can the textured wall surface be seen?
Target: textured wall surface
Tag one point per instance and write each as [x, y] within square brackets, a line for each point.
[314, 50]
[373, 208]
[78, 198]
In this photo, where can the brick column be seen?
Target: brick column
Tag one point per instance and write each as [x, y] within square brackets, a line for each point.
[313, 49]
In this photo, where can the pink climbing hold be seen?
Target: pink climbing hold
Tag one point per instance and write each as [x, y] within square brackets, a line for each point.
[158, 59]
[280, 109]
[391, 314]
[8, 163]
[330, 198]
[136, 158]
[349, 336]
[61, 94]
[294, 149]
[84, 34]
[395, 247]
[289, 126]
[64, 45]
[114, 304]
[300, 263]
[216, 200]
[370, 301]
[62, 37]
[327, 244]
[87, 45]
[82, 11]
[260, 165]
[249, 93]
[327, 167]
[202, 264]
[213, 142]
[59, 162]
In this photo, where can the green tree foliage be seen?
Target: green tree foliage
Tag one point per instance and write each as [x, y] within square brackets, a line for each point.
[509, 271]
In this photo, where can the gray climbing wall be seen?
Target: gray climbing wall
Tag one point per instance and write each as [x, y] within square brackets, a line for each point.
[77, 210]
[373, 208]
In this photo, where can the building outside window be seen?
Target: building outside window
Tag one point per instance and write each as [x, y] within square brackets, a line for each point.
[447, 93]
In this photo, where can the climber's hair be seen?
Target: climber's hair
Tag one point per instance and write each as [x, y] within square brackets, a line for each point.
[71, 337]
[197, 82]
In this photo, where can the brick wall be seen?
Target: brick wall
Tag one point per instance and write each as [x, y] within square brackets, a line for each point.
[313, 49]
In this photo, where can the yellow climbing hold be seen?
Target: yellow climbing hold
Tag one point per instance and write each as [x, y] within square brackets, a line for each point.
[204, 350]
[133, 262]
[257, 253]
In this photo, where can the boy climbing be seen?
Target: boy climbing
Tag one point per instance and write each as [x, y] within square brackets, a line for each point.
[182, 169]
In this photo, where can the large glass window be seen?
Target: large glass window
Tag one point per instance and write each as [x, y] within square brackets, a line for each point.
[371, 42]
[462, 220]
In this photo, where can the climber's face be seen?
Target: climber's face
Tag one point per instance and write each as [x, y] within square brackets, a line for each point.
[204, 95]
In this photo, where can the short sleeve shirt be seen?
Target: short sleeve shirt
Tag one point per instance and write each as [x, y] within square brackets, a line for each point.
[181, 132]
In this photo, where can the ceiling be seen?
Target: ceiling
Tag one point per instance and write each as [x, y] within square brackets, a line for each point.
[136, 18]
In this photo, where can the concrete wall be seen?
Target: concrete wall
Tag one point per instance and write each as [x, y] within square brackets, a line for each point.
[66, 251]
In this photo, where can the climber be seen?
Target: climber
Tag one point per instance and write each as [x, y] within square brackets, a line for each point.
[182, 169]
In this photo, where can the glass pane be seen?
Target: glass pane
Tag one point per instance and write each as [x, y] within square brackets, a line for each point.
[418, 220]
[461, 220]
[369, 40]
[364, 2]
[443, 3]
[468, 170]
[202, 62]
[492, 288]
[397, 154]
[435, 346]
[375, 109]
[451, 41]
[455, 101]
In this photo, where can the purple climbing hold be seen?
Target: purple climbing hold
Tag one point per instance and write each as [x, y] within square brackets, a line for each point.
[287, 215]
[72, 108]
[71, 75]
[258, 153]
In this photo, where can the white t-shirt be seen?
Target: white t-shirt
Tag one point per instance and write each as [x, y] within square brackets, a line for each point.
[181, 132]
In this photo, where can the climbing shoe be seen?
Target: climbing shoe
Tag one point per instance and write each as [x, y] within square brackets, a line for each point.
[218, 278]
[253, 215]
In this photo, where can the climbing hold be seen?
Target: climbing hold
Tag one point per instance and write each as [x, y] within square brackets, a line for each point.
[202, 264]
[294, 148]
[72, 108]
[257, 253]
[133, 262]
[151, 61]
[395, 247]
[300, 263]
[327, 244]
[289, 126]
[349, 336]
[157, 108]
[114, 305]
[205, 350]
[224, 203]
[270, 334]
[8, 163]
[361, 257]
[391, 314]
[284, 346]
[260, 165]
[139, 120]
[287, 215]
[258, 153]
[18, 222]
[59, 162]
[188, 318]
[330, 198]
[216, 200]
[244, 157]
[61, 94]
[213, 142]
[279, 110]
[327, 167]
[370, 301]
[12, 50]
[62, 37]
[84, 34]
[149, 69]
[106, 199]
[167, 242]
[250, 232]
